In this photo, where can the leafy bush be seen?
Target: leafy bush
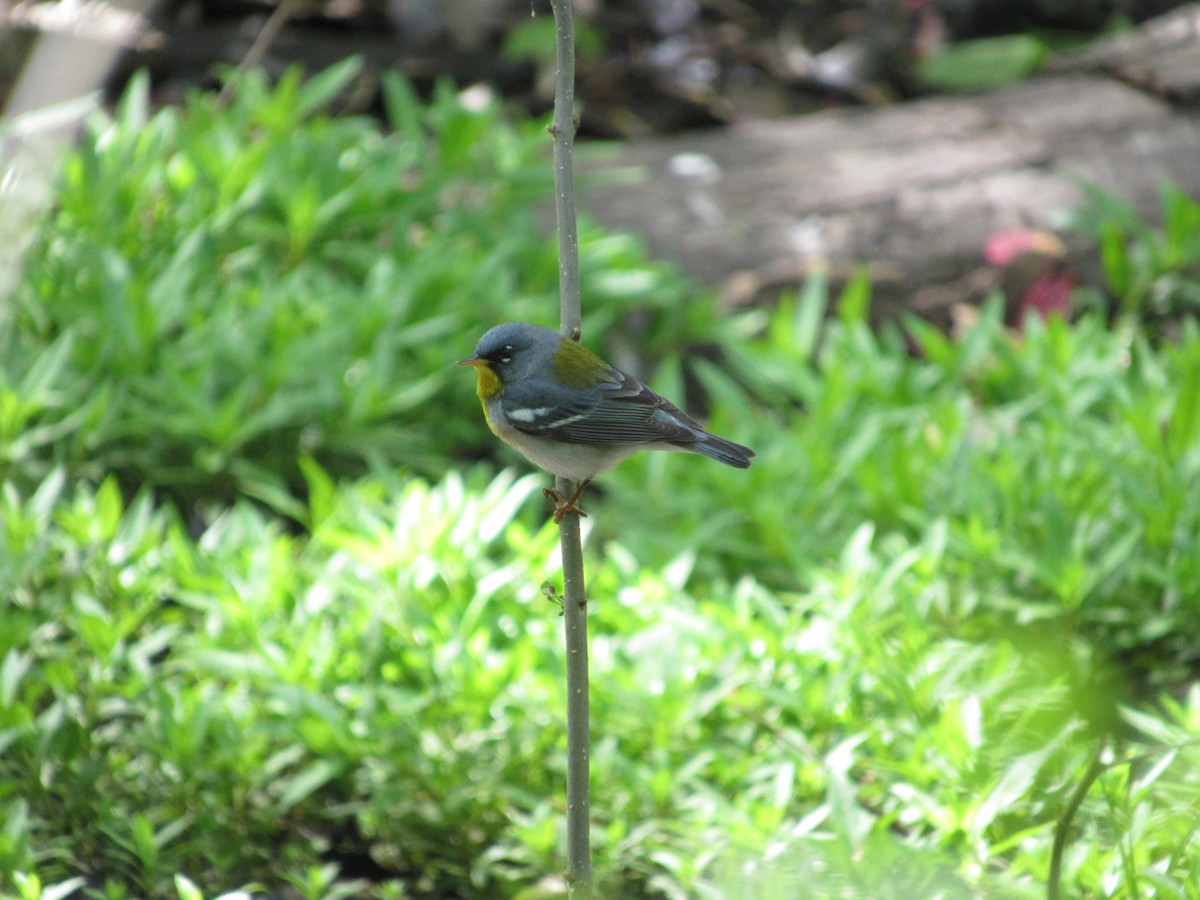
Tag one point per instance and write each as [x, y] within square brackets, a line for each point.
[222, 291]
[232, 709]
[1059, 467]
[373, 709]
[1153, 273]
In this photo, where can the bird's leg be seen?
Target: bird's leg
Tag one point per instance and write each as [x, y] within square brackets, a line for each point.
[567, 507]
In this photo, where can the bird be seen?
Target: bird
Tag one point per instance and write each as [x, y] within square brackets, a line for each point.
[572, 414]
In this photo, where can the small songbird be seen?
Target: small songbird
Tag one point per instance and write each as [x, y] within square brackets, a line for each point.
[573, 414]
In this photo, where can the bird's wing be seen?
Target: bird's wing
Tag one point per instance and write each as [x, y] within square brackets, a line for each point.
[621, 410]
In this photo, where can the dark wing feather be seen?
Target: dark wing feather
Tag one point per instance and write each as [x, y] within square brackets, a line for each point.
[621, 410]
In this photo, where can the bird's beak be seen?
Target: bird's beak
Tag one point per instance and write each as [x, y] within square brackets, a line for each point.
[487, 384]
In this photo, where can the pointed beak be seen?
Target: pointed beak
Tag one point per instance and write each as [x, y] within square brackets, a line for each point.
[474, 361]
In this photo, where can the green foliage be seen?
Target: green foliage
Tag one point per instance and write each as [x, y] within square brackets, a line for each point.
[221, 292]
[1153, 272]
[1060, 468]
[231, 708]
[983, 64]
[256, 708]
[534, 39]
[876, 664]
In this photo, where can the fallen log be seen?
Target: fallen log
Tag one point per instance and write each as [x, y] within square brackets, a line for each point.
[914, 190]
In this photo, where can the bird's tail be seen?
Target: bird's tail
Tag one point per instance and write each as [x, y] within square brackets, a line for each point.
[722, 450]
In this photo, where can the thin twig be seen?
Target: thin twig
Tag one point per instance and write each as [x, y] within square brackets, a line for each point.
[258, 49]
[579, 847]
[563, 129]
[1095, 767]
[579, 850]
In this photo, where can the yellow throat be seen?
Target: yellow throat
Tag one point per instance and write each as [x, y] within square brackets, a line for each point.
[487, 385]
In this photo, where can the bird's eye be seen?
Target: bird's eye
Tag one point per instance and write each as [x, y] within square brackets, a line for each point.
[506, 356]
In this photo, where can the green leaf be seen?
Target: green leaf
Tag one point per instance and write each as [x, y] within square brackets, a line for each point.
[854, 304]
[186, 888]
[1114, 255]
[404, 111]
[1183, 424]
[983, 64]
[320, 90]
[534, 39]
[302, 785]
[1181, 228]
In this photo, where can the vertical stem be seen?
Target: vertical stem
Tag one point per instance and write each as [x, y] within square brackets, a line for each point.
[563, 129]
[579, 849]
[1094, 770]
[579, 805]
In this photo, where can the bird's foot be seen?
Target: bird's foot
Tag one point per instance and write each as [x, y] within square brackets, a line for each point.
[568, 507]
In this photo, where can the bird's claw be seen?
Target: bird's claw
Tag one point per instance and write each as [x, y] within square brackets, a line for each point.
[564, 508]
